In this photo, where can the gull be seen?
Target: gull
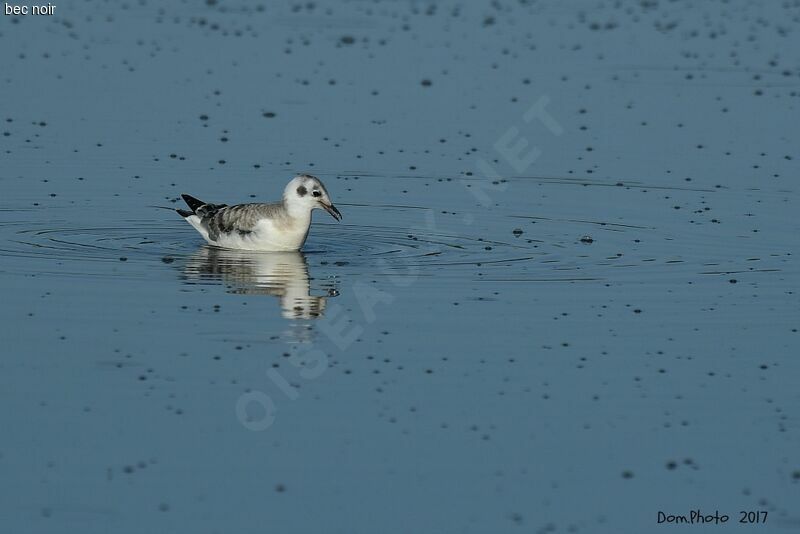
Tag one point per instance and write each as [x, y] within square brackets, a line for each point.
[278, 226]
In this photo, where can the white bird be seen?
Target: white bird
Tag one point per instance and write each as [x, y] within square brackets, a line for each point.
[279, 226]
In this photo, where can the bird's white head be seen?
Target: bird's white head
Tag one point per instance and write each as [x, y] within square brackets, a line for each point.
[306, 193]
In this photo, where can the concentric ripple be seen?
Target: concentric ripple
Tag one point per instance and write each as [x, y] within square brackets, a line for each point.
[363, 245]
[28, 247]
[353, 248]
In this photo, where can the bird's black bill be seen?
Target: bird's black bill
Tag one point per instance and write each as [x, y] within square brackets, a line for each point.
[333, 211]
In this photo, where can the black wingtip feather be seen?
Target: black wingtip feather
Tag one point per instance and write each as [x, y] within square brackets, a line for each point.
[192, 202]
[184, 213]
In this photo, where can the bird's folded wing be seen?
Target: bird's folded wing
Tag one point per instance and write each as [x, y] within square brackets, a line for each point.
[241, 219]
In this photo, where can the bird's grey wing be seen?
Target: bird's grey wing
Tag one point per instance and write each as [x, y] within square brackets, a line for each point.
[241, 219]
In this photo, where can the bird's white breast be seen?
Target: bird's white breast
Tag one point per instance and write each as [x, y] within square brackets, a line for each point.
[268, 235]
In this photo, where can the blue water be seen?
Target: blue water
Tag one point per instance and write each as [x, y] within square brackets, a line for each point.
[563, 297]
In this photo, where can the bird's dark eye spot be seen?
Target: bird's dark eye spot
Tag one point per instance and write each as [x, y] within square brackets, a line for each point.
[316, 193]
[302, 190]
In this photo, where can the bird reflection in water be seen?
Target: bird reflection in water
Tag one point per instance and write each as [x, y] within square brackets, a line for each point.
[278, 274]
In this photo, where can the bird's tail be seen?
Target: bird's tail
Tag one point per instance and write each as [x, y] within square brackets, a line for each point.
[193, 203]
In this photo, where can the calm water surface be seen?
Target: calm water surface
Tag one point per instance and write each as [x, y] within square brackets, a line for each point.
[563, 296]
